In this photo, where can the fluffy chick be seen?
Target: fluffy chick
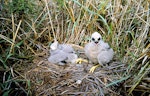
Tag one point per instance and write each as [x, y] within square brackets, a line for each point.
[61, 54]
[97, 51]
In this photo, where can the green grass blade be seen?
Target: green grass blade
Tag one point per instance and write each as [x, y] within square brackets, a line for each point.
[117, 81]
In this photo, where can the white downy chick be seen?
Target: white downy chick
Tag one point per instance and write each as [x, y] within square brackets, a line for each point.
[61, 54]
[98, 51]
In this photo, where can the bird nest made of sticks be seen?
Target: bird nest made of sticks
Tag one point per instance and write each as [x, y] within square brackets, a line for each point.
[74, 79]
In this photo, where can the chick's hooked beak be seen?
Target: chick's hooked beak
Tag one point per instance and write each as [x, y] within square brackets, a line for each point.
[96, 42]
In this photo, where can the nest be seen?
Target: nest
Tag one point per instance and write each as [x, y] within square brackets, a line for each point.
[74, 79]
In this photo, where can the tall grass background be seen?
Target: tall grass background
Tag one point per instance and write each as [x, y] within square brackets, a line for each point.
[27, 26]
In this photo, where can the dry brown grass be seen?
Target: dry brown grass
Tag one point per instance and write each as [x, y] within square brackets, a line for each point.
[24, 37]
[51, 79]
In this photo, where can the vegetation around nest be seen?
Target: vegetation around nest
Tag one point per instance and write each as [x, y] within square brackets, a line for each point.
[27, 27]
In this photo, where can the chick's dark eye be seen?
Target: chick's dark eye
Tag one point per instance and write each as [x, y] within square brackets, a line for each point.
[99, 39]
[93, 39]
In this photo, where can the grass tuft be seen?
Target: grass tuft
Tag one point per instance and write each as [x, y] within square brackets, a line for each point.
[28, 27]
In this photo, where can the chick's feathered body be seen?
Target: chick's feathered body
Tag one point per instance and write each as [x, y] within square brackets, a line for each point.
[106, 54]
[92, 52]
[66, 48]
[98, 51]
[61, 54]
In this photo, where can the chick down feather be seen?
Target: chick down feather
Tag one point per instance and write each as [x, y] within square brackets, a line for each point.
[61, 54]
[98, 51]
